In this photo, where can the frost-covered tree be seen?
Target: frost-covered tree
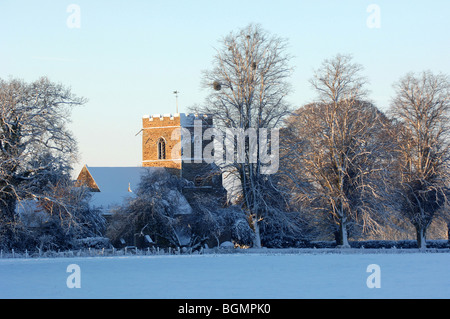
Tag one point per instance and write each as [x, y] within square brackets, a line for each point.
[249, 86]
[421, 106]
[69, 206]
[33, 122]
[156, 210]
[212, 223]
[63, 214]
[335, 150]
[159, 210]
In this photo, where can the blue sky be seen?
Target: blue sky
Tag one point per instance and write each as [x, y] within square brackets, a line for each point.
[128, 57]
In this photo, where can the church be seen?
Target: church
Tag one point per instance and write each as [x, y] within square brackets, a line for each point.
[170, 141]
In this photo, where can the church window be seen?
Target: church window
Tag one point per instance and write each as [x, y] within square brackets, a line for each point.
[161, 148]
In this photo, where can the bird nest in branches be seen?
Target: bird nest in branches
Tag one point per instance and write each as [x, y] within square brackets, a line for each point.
[217, 86]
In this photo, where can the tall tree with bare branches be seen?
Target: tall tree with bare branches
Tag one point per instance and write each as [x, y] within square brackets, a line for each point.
[249, 85]
[334, 151]
[421, 106]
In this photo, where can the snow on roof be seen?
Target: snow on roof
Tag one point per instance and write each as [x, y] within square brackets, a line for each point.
[115, 184]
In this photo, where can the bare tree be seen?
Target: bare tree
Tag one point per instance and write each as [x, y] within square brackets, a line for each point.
[339, 79]
[249, 89]
[421, 105]
[33, 119]
[335, 150]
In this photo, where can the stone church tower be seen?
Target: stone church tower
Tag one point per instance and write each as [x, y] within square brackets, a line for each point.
[169, 141]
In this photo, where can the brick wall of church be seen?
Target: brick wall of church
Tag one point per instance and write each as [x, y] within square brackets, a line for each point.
[204, 180]
[163, 126]
[154, 128]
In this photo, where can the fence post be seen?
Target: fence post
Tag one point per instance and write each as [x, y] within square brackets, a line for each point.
[12, 252]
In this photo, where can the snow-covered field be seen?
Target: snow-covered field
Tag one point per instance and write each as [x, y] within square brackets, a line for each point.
[310, 275]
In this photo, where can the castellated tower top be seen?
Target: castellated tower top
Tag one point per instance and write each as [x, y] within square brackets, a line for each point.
[178, 119]
[161, 137]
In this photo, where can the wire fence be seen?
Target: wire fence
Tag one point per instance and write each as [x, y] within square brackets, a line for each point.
[167, 252]
[96, 252]
[407, 246]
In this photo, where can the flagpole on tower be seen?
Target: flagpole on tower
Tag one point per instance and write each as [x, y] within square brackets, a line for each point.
[176, 96]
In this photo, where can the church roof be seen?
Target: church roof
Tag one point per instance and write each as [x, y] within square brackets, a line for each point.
[110, 185]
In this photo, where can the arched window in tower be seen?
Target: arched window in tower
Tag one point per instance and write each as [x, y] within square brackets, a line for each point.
[161, 148]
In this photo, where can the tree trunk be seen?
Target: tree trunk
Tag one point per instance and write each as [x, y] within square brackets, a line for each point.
[8, 204]
[9, 223]
[343, 236]
[421, 239]
[257, 237]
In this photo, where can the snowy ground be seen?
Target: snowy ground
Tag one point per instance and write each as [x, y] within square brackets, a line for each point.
[310, 275]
